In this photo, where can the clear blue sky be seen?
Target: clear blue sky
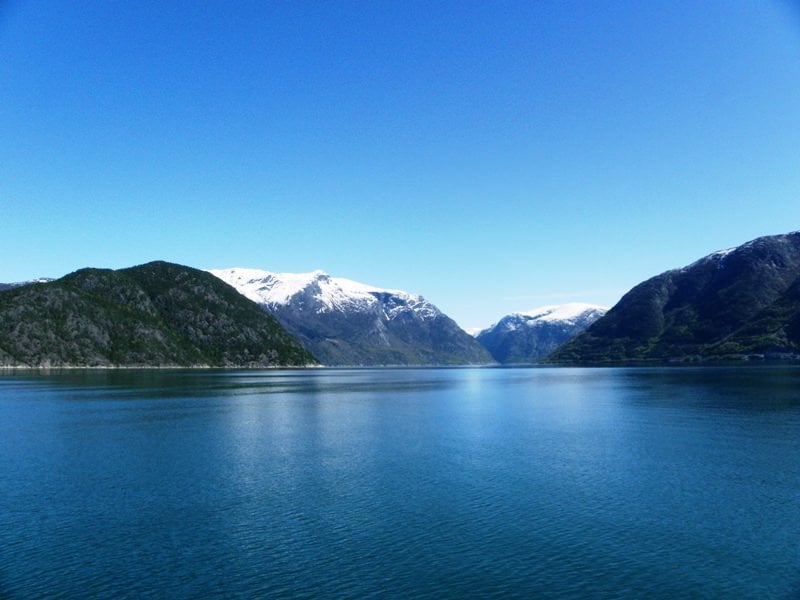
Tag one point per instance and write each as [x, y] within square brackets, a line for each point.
[492, 156]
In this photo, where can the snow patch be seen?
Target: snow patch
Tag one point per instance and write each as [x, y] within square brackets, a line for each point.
[570, 312]
[331, 293]
[721, 253]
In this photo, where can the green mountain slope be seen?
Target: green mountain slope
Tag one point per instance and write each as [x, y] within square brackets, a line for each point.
[740, 303]
[157, 314]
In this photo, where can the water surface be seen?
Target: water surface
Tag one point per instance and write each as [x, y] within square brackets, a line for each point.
[549, 483]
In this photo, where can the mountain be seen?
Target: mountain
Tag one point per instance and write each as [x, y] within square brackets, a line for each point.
[343, 322]
[157, 314]
[8, 286]
[734, 304]
[521, 338]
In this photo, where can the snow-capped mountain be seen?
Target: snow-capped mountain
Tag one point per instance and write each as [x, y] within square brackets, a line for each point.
[529, 336]
[344, 322]
[329, 294]
[8, 286]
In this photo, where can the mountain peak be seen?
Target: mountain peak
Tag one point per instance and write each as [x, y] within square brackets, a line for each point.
[562, 312]
[328, 293]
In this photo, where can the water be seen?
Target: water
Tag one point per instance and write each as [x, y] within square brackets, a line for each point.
[545, 483]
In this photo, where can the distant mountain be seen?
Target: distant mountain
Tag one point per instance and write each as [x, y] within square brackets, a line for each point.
[8, 286]
[521, 338]
[733, 304]
[158, 314]
[343, 322]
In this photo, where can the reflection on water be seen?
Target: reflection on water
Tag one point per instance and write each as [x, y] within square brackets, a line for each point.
[547, 482]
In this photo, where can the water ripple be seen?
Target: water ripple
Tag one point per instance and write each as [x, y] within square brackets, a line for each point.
[540, 483]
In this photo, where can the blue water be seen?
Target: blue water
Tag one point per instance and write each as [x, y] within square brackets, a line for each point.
[529, 483]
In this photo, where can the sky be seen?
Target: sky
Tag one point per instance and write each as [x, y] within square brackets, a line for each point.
[493, 156]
